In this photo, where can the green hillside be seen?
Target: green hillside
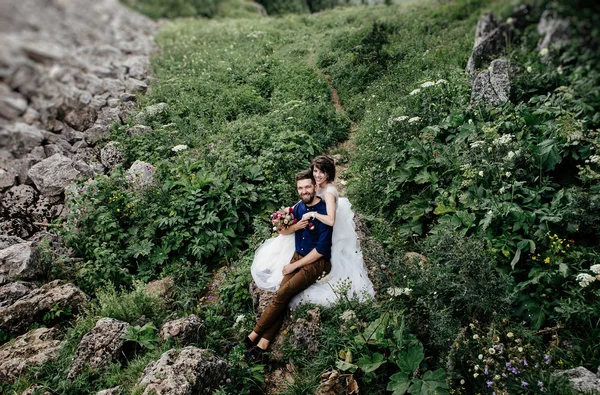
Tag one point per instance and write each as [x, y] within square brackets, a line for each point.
[502, 202]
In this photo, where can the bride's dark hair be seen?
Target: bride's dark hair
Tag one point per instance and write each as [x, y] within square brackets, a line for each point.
[326, 165]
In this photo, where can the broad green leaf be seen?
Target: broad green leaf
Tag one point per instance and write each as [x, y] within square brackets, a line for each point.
[399, 383]
[368, 364]
[409, 361]
[563, 268]
[345, 366]
[442, 209]
[549, 154]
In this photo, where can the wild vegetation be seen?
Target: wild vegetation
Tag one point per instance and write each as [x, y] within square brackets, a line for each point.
[502, 201]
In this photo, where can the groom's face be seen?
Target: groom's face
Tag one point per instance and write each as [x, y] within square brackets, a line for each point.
[306, 190]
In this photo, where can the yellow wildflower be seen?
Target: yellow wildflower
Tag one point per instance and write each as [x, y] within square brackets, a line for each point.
[547, 260]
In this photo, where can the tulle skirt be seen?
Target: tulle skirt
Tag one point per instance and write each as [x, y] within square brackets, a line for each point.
[348, 274]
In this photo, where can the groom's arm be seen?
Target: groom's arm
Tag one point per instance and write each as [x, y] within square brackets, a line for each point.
[303, 223]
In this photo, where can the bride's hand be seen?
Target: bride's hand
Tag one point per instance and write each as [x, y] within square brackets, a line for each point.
[289, 268]
[307, 216]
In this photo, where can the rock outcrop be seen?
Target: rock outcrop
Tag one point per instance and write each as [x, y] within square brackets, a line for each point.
[31, 308]
[185, 330]
[68, 71]
[100, 346]
[31, 349]
[490, 40]
[581, 379]
[19, 261]
[11, 292]
[186, 372]
[304, 333]
[493, 85]
[554, 31]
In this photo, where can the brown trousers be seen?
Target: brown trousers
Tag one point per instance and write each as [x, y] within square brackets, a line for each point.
[292, 284]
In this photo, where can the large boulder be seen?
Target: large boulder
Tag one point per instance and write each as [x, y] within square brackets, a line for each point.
[493, 85]
[490, 40]
[582, 380]
[555, 31]
[141, 174]
[19, 261]
[52, 175]
[11, 292]
[186, 372]
[31, 308]
[31, 349]
[185, 330]
[100, 346]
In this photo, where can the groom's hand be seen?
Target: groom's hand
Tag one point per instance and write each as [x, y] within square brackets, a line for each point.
[289, 268]
[303, 223]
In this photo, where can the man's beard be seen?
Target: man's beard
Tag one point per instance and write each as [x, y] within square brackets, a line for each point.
[308, 199]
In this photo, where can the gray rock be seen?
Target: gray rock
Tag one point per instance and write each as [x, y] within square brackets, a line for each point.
[7, 241]
[581, 379]
[20, 139]
[190, 371]
[100, 346]
[18, 199]
[52, 175]
[111, 156]
[493, 85]
[136, 86]
[139, 129]
[12, 107]
[185, 330]
[555, 31]
[304, 333]
[11, 292]
[31, 308]
[19, 261]
[490, 40]
[111, 391]
[31, 116]
[31, 349]
[141, 174]
[149, 112]
[7, 179]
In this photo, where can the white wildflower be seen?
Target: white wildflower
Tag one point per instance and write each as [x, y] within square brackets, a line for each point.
[510, 20]
[510, 155]
[396, 291]
[595, 269]
[489, 149]
[503, 140]
[480, 173]
[497, 377]
[401, 118]
[510, 335]
[508, 174]
[414, 119]
[544, 52]
[559, 70]
[475, 375]
[477, 143]
[585, 279]
[442, 81]
[348, 315]
[529, 69]
[414, 92]
[595, 158]
[520, 349]
[462, 382]
[480, 356]
[179, 147]
[427, 84]
[502, 190]
[475, 336]
[239, 319]
[491, 350]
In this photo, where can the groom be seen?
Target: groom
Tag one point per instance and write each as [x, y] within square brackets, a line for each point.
[311, 260]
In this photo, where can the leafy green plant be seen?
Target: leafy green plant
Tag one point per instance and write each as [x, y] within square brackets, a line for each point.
[129, 306]
[56, 312]
[144, 336]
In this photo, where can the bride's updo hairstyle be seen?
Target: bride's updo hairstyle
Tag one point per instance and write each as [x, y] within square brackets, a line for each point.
[326, 165]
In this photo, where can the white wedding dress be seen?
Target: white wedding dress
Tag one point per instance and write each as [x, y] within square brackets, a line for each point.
[348, 272]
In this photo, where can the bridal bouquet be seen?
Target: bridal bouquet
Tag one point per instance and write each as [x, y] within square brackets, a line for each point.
[283, 218]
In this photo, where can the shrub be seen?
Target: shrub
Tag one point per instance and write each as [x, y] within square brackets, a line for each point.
[129, 306]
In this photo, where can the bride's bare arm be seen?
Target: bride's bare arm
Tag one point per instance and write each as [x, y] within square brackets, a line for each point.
[328, 219]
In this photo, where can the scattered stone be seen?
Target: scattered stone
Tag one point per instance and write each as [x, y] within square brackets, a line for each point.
[581, 379]
[100, 346]
[141, 174]
[138, 129]
[7, 241]
[7, 179]
[11, 292]
[304, 333]
[52, 175]
[111, 391]
[185, 330]
[35, 390]
[161, 289]
[19, 261]
[190, 371]
[493, 85]
[110, 156]
[149, 112]
[555, 31]
[11, 107]
[20, 139]
[31, 308]
[31, 349]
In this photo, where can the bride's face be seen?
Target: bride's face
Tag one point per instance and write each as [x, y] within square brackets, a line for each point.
[320, 176]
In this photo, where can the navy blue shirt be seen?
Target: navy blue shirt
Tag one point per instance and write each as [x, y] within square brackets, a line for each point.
[319, 237]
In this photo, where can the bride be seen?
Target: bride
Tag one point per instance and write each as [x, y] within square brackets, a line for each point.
[348, 273]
